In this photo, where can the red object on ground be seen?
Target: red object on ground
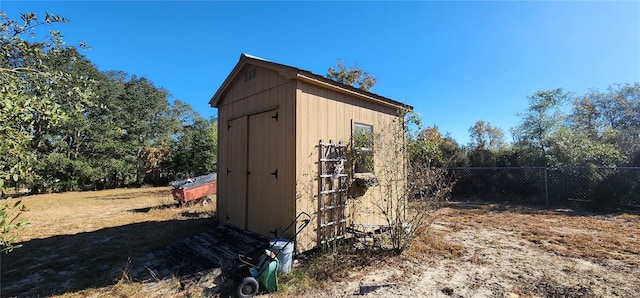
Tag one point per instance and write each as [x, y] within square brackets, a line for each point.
[194, 193]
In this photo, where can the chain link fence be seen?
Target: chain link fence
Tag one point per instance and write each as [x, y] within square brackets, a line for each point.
[602, 187]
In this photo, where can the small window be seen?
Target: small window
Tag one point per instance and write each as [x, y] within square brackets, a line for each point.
[363, 148]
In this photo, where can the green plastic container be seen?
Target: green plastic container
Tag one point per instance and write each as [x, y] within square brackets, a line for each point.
[266, 271]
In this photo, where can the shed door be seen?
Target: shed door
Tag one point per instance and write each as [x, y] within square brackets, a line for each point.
[237, 173]
[264, 208]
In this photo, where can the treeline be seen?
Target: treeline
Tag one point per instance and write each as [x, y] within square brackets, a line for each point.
[68, 126]
[557, 129]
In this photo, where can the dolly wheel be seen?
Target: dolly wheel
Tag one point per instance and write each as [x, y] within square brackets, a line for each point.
[205, 201]
[247, 288]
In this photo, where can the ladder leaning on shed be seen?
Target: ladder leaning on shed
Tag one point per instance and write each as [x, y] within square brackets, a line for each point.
[332, 194]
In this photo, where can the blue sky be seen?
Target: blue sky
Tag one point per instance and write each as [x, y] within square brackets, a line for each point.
[454, 62]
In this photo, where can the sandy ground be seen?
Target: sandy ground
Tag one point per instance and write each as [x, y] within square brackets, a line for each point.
[497, 262]
[497, 252]
[481, 250]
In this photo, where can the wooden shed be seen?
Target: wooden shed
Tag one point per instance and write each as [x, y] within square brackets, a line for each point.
[283, 136]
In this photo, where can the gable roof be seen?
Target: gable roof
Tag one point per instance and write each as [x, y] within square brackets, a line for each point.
[303, 75]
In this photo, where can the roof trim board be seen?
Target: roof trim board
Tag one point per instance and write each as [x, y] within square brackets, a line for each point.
[290, 72]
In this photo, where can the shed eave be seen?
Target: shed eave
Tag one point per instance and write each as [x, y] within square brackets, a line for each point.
[290, 72]
[336, 87]
[287, 71]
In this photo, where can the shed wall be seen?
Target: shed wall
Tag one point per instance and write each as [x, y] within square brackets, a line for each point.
[328, 115]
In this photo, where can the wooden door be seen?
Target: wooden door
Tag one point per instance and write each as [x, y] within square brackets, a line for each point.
[237, 173]
[264, 208]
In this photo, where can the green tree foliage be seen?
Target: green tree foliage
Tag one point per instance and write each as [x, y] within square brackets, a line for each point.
[10, 224]
[28, 88]
[601, 129]
[144, 116]
[571, 147]
[539, 122]
[195, 145]
[433, 148]
[487, 144]
[611, 117]
[59, 147]
[68, 126]
[105, 145]
[486, 137]
[352, 76]
[26, 103]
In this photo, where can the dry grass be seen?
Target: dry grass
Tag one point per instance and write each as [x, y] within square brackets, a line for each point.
[483, 250]
[431, 243]
[79, 245]
[321, 270]
[82, 240]
[76, 212]
[596, 237]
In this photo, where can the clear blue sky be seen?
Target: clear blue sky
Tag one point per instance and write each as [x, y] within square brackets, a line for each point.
[455, 62]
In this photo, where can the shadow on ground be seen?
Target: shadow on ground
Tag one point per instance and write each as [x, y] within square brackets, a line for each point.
[69, 263]
[147, 209]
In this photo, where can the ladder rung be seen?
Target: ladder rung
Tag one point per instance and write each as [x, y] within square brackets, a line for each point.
[333, 144]
[333, 223]
[329, 175]
[333, 207]
[332, 239]
[324, 192]
[333, 159]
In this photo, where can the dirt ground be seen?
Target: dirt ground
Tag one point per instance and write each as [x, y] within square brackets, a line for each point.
[512, 252]
[86, 240]
[469, 250]
[492, 250]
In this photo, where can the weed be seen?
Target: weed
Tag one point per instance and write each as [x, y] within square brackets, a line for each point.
[432, 243]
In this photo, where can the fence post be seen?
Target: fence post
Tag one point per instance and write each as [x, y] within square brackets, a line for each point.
[546, 187]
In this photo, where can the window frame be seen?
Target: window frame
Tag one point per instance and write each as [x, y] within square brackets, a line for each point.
[363, 170]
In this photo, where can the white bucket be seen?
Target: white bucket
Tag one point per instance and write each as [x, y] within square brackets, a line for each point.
[285, 256]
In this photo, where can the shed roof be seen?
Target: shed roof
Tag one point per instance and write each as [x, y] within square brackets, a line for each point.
[291, 72]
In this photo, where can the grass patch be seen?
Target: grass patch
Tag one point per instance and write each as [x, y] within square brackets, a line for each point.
[597, 237]
[80, 241]
[431, 243]
[318, 270]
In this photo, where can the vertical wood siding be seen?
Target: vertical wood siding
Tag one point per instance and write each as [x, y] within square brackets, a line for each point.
[306, 114]
[269, 146]
[328, 115]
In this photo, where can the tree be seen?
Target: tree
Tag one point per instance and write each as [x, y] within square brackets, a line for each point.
[431, 147]
[26, 104]
[144, 117]
[539, 122]
[486, 143]
[571, 147]
[352, 76]
[616, 112]
[195, 141]
[486, 137]
[195, 150]
[60, 164]
[105, 148]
